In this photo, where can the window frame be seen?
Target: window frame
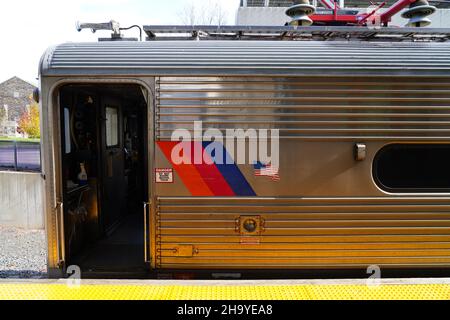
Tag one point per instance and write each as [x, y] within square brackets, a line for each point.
[106, 127]
[380, 185]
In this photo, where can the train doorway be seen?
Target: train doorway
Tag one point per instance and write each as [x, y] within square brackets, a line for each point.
[104, 178]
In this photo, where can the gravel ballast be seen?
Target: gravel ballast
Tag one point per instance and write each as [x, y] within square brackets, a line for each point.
[22, 253]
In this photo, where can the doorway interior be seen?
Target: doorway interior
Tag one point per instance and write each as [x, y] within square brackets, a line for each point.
[104, 178]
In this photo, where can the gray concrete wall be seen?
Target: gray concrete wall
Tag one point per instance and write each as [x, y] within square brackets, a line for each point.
[268, 16]
[21, 203]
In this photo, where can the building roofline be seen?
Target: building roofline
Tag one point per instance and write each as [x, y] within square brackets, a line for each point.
[18, 78]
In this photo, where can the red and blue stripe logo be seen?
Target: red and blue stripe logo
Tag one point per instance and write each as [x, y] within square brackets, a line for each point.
[205, 179]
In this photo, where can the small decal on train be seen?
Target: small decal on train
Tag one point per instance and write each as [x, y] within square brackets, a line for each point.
[164, 175]
[266, 170]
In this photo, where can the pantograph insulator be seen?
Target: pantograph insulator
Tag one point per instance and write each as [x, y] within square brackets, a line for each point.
[417, 14]
[300, 12]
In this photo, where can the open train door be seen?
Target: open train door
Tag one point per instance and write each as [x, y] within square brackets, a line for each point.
[105, 185]
[124, 167]
[112, 163]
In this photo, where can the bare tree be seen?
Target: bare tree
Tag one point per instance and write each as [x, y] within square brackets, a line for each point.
[210, 13]
[188, 14]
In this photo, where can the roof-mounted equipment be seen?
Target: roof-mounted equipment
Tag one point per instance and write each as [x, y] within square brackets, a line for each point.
[286, 33]
[417, 14]
[113, 26]
[300, 12]
[303, 14]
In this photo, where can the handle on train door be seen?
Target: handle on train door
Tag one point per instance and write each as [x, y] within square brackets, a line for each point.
[59, 210]
[146, 205]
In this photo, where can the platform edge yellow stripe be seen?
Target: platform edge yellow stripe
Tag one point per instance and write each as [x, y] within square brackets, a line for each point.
[189, 292]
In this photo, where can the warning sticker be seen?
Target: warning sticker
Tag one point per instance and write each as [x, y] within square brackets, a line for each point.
[164, 175]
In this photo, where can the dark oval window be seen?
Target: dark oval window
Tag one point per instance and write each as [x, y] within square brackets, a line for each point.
[406, 168]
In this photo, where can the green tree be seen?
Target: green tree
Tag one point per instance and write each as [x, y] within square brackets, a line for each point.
[29, 121]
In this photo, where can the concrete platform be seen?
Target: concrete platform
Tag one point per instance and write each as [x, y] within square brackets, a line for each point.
[387, 289]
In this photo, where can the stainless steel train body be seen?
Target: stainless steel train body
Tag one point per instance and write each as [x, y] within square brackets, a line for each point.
[354, 119]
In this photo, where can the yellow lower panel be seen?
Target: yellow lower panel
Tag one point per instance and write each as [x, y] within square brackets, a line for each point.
[190, 292]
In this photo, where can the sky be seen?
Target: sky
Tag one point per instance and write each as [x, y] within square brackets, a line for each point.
[29, 27]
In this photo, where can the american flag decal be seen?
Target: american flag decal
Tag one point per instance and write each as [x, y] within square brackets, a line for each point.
[267, 170]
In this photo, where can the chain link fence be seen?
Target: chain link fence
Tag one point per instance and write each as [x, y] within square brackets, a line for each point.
[20, 156]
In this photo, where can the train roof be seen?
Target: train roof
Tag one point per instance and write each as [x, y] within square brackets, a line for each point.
[259, 52]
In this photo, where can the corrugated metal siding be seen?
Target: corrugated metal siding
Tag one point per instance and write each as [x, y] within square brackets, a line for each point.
[302, 108]
[247, 57]
[305, 233]
[301, 232]
[316, 232]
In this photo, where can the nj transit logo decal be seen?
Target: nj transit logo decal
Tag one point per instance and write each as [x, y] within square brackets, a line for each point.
[205, 179]
[207, 162]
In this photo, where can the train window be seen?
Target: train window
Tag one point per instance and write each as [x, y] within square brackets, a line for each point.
[112, 127]
[67, 130]
[413, 168]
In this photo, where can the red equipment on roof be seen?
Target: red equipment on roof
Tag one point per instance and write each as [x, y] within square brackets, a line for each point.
[304, 14]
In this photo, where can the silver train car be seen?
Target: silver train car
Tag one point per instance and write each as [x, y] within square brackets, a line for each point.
[363, 177]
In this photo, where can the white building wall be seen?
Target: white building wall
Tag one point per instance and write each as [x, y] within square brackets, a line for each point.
[275, 16]
[21, 200]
